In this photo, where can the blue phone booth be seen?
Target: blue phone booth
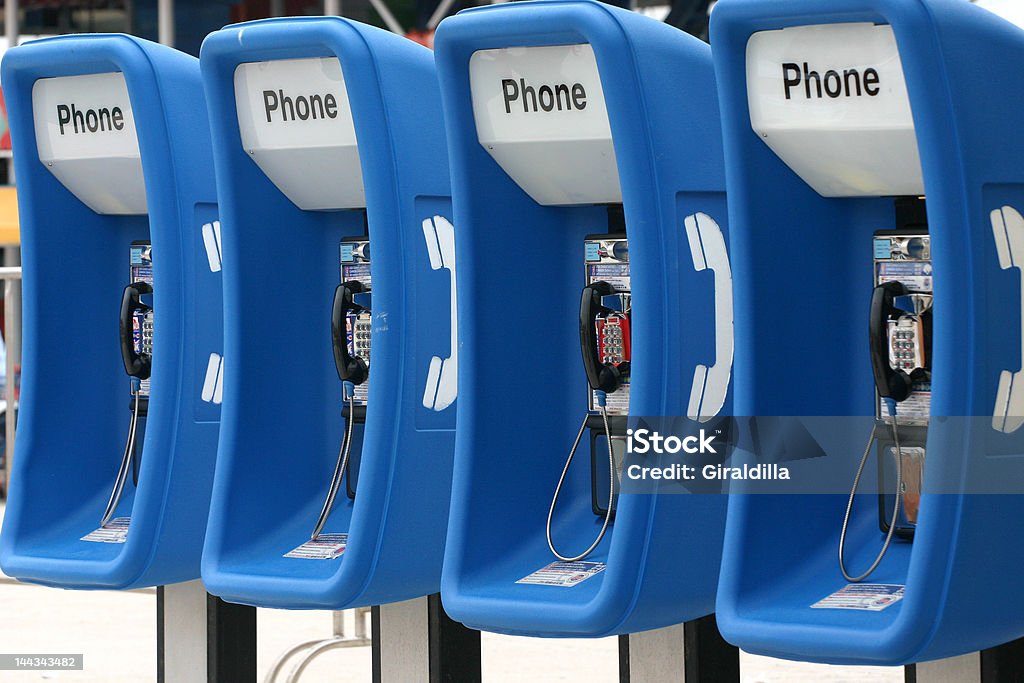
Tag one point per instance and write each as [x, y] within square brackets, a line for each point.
[119, 414]
[574, 126]
[329, 141]
[876, 180]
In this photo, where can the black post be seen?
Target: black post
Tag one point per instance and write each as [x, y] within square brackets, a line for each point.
[194, 628]
[1003, 664]
[417, 640]
[230, 642]
[454, 649]
[694, 652]
[1000, 664]
[708, 657]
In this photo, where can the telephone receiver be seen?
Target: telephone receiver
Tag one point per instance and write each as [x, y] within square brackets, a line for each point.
[711, 385]
[442, 384]
[601, 376]
[890, 382]
[350, 368]
[1008, 229]
[136, 365]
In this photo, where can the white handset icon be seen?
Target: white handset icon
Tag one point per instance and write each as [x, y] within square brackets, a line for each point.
[711, 385]
[443, 375]
[1008, 230]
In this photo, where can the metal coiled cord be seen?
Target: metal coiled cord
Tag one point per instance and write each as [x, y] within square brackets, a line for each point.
[342, 464]
[611, 485]
[126, 459]
[890, 404]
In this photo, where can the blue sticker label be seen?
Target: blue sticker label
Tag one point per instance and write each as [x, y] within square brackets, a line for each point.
[136, 256]
[905, 268]
[883, 248]
[358, 271]
[346, 253]
[592, 251]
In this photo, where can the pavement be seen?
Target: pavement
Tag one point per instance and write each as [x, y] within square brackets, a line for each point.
[116, 632]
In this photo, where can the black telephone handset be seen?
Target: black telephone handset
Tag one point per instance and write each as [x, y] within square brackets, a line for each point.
[891, 382]
[606, 377]
[135, 364]
[350, 368]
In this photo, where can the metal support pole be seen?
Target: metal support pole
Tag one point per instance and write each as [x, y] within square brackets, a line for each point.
[11, 276]
[440, 13]
[1002, 664]
[387, 17]
[416, 641]
[202, 638]
[332, 8]
[277, 8]
[165, 21]
[11, 25]
[694, 652]
[12, 31]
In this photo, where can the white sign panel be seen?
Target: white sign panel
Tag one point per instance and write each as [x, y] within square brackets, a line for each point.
[85, 136]
[831, 101]
[296, 123]
[540, 112]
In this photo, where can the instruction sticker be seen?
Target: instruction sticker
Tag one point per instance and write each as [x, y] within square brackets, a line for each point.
[871, 597]
[114, 531]
[565, 574]
[325, 547]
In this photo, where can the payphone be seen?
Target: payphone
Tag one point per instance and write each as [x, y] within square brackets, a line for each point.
[607, 304]
[606, 345]
[351, 331]
[901, 338]
[900, 332]
[552, 110]
[333, 129]
[136, 328]
[117, 196]
[878, 134]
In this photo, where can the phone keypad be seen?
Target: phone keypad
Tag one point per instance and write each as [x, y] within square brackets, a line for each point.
[906, 352]
[147, 334]
[613, 339]
[361, 333]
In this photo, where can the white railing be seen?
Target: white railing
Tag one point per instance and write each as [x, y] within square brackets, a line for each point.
[312, 649]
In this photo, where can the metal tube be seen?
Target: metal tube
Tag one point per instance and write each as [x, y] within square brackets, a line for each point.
[11, 27]
[332, 8]
[12, 31]
[440, 13]
[363, 615]
[277, 8]
[389, 19]
[165, 21]
[12, 327]
[338, 623]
